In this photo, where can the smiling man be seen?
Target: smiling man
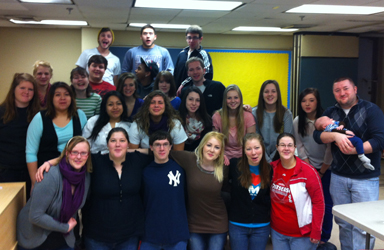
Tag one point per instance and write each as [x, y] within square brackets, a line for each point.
[212, 90]
[194, 36]
[350, 181]
[166, 224]
[96, 68]
[105, 38]
[149, 51]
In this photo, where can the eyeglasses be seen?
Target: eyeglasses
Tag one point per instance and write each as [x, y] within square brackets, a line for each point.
[193, 38]
[159, 145]
[76, 153]
[286, 146]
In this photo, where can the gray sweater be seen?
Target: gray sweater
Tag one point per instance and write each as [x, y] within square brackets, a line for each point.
[268, 132]
[40, 215]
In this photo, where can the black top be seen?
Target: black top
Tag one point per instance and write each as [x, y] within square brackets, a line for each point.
[181, 72]
[242, 208]
[115, 210]
[13, 136]
[213, 95]
[191, 146]
[48, 142]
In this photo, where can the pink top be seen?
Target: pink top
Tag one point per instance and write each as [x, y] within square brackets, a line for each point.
[232, 148]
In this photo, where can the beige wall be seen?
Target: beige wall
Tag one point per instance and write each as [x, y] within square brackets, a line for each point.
[329, 46]
[21, 47]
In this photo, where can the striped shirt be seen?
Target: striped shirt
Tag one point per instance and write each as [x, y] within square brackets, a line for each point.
[90, 105]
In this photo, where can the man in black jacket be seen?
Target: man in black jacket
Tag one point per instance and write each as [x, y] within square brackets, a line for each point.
[212, 90]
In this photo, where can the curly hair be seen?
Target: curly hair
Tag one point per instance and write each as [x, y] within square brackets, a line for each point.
[143, 117]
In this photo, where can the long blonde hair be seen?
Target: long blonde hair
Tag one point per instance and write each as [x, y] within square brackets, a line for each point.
[239, 115]
[219, 162]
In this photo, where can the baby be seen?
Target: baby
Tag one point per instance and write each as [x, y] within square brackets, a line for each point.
[329, 125]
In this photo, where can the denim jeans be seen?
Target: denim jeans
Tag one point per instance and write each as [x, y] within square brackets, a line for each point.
[346, 190]
[328, 217]
[131, 244]
[245, 238]
[283, 242]
[200, 241]
[181, 245]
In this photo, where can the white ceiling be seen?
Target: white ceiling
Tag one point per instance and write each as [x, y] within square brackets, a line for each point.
[116, 14]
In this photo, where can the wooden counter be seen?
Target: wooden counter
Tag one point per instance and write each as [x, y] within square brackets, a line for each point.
[12, 200]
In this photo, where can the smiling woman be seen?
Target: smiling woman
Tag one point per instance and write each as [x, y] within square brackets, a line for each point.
[297, 199]
[51, 129]
[127, 86]
[113, 113]
[232, 121]
[271, 117]
[250, 207]
[205, 172]
[16, 112]
[48, 218]
[157, 113]
[86, 99]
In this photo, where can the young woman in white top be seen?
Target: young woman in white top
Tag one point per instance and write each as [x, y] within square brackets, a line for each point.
[157, 113]
[113, 113]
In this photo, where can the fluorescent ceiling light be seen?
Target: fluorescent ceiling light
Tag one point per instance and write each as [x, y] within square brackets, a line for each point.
[266, 29]
[162, 25]
[336, 9]
[51, 22]
[188, 4]
[47, 1]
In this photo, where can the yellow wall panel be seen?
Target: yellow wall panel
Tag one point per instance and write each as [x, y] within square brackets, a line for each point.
[249, 69]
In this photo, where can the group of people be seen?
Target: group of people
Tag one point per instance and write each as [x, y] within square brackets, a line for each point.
[162, 161]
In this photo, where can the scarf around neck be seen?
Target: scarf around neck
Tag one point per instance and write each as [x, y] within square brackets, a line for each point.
[162, 125]
[71, 203]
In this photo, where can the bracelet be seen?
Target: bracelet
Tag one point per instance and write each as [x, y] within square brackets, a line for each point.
[319, 171]
[49, 163]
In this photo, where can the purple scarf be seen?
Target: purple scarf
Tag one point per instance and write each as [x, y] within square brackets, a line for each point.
[71, 203]
[162, 125]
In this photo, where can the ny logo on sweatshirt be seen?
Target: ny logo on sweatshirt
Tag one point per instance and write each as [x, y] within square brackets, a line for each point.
[174, 178]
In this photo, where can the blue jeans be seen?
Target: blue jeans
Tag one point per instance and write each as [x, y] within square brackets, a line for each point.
[245, 238]
[283, 242]
[131, 244]
[181, 245]
[328, 217]
[346, 190]
[200, 241]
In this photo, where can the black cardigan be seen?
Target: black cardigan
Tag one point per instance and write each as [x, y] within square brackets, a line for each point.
[242, 208]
